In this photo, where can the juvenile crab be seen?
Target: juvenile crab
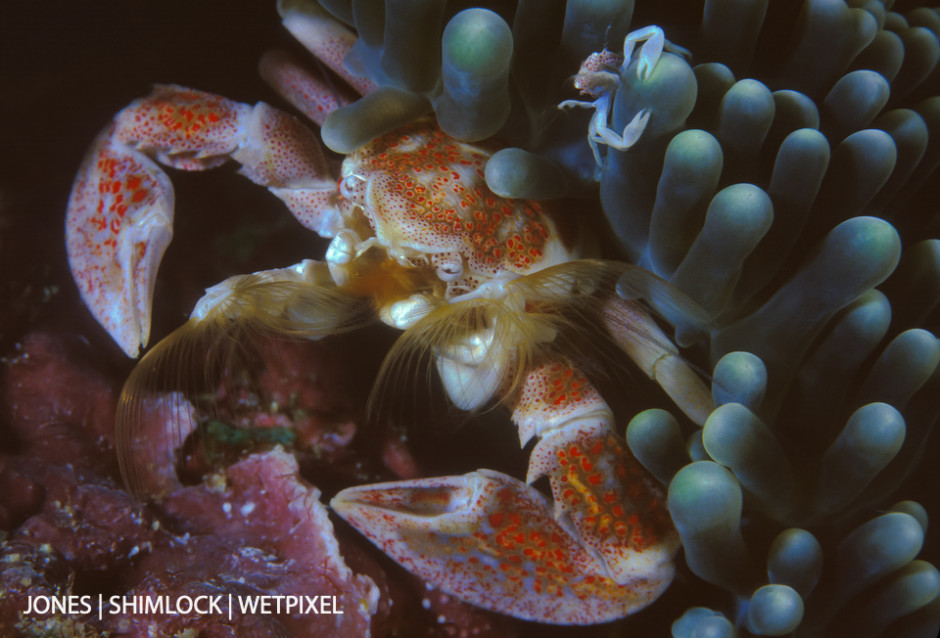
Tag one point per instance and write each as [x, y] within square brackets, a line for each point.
[485, 285]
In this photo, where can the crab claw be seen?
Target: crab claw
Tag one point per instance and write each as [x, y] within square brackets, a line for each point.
[118, 224]
[653, 40]
[120, 213]
[492, 541]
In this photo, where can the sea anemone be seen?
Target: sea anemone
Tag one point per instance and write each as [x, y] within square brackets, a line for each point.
[784, 164]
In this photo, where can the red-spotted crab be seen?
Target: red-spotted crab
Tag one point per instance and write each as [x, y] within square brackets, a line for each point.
[485, 285]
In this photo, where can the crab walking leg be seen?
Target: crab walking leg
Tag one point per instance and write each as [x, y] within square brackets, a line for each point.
[601, 552]
[645, 343]
[328, 40]
[120, 213]
[227, 334]
[309, 94]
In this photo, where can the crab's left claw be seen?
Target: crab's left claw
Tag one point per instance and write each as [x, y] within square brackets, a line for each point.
[118, 224]
[494, 542]
[652, 42]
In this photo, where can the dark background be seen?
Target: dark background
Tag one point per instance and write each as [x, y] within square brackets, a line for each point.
[66, 68]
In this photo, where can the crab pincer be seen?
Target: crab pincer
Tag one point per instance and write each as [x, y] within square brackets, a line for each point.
[492, 292]
[602, 551]
[120, 213]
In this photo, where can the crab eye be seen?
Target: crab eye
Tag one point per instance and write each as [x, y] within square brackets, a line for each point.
[449, 268]
[350, 186]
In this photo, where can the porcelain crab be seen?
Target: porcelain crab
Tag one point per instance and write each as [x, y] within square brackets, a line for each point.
[599, 78]
[485, 285]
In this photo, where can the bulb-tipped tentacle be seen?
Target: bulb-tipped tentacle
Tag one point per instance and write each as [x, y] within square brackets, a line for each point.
[328, 40]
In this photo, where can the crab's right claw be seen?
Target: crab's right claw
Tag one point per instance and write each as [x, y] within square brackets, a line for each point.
[494, 542]
[118, 224]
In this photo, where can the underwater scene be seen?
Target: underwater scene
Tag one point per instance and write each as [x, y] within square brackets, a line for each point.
[532, 318]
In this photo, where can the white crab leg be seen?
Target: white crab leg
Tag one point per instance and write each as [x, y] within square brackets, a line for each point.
[599, 131]
[653, 39]
[595, 79]
[631, 132]
[120, 213]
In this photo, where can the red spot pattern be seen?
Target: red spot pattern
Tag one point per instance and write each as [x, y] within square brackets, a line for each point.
[105, 199]
[501, 549]
[564, 386]
[592, 77]
[177, 120]
[433, 192]
[617, 508]
[119, 196]
[610, 495]
[552, 394]
[329, 42]
[280, 151]
[313, 97]
[521, 548]
[122, 183]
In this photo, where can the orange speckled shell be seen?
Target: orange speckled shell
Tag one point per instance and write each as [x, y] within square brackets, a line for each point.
[426, 192]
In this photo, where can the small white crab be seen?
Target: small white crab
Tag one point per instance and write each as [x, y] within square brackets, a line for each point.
[599, 78]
